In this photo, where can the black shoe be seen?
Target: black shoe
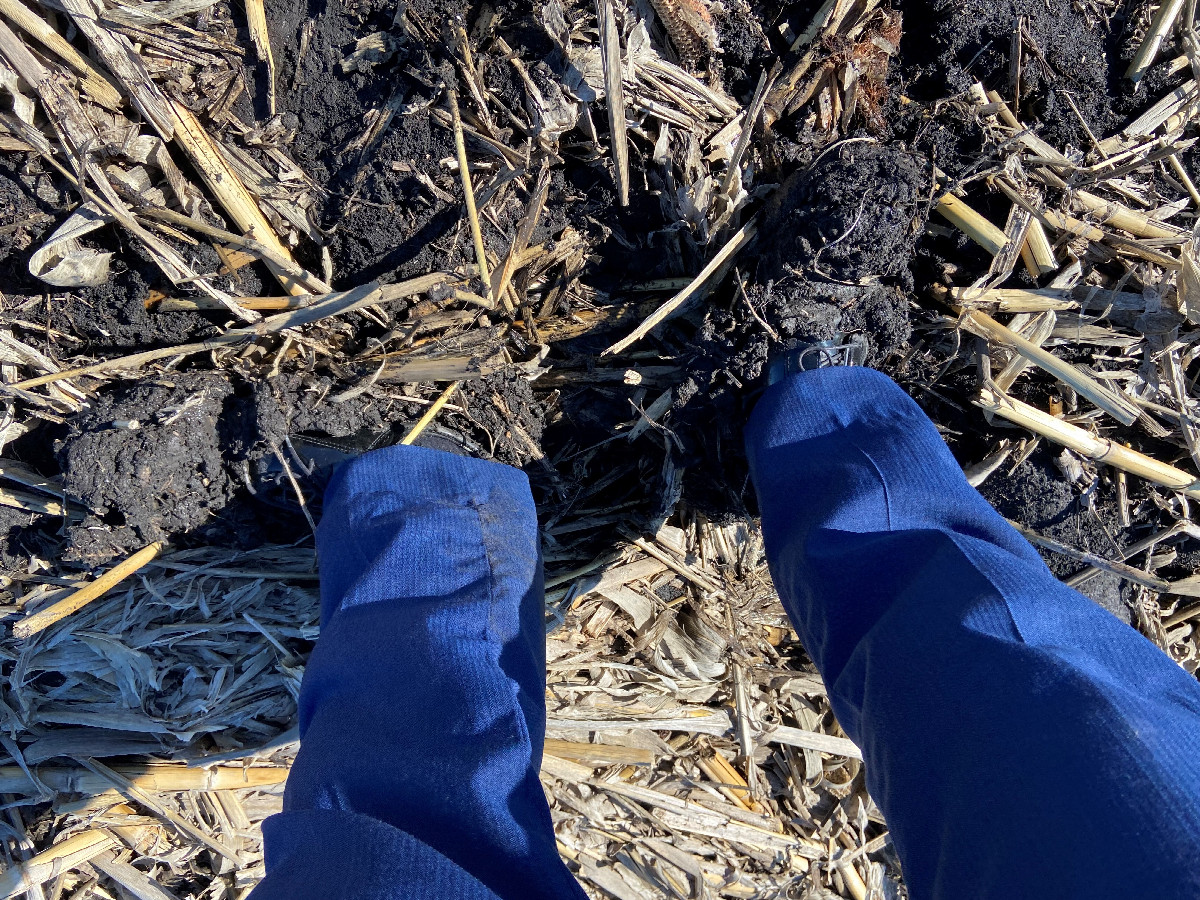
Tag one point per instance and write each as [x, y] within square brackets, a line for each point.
[843, 350]
[312, 459]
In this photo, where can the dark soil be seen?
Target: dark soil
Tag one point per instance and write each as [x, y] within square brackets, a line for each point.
[194, 459]
[842, 248]
[833, 257]
[1072, 56]
[382, 221]
[838, 239]
[28, 211]
[148, 458]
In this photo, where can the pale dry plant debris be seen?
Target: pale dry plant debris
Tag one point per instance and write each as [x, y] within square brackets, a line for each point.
[692, 750]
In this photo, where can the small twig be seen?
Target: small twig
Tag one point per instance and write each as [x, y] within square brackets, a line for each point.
[460, 147]
[1120, 569]
[86, 594]
[754, 312]
[287, 470]
[1185, 179]
[230, 192]
[430, 414]
[679, 303]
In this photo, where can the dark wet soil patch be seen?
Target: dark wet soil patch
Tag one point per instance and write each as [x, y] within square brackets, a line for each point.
[846, 245]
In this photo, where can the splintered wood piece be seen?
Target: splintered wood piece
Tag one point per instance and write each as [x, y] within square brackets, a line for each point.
[135, 882]
[525, 230]
[42, 620]
[610, 55]
[1110, 212]
[97, 86]
[155, 777]
[811, 740]
[256, 21]
[229, 191]
[1040, 249]
[32, 503]
[729, 780]
[599, 754]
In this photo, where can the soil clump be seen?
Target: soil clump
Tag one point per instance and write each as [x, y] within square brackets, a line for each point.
[843, 247]
[833, 256]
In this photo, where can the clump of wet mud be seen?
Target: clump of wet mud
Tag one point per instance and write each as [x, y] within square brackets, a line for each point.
[201, 458]
[196, 459]
[832, 257]
[837, 241]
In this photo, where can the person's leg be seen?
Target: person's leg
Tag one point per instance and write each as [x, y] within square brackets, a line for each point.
[422, 712]
[1021, 741]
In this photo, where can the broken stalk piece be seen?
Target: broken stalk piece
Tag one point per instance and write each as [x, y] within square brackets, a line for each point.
[430, 414]
[42, 620]
[695, 289]
[985, 326]
[460, 147]
[1102, 450]
[1160, 26]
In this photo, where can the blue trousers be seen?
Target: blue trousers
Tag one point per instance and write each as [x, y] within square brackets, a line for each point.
[1021, 741]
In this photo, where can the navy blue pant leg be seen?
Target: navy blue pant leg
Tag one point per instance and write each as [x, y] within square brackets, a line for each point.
[1021, 741]
[422, 712]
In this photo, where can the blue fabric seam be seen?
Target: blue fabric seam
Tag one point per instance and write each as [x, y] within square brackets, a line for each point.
[517, 712]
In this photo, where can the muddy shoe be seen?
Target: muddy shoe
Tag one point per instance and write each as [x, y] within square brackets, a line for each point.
[312, 458]
[843, 350]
